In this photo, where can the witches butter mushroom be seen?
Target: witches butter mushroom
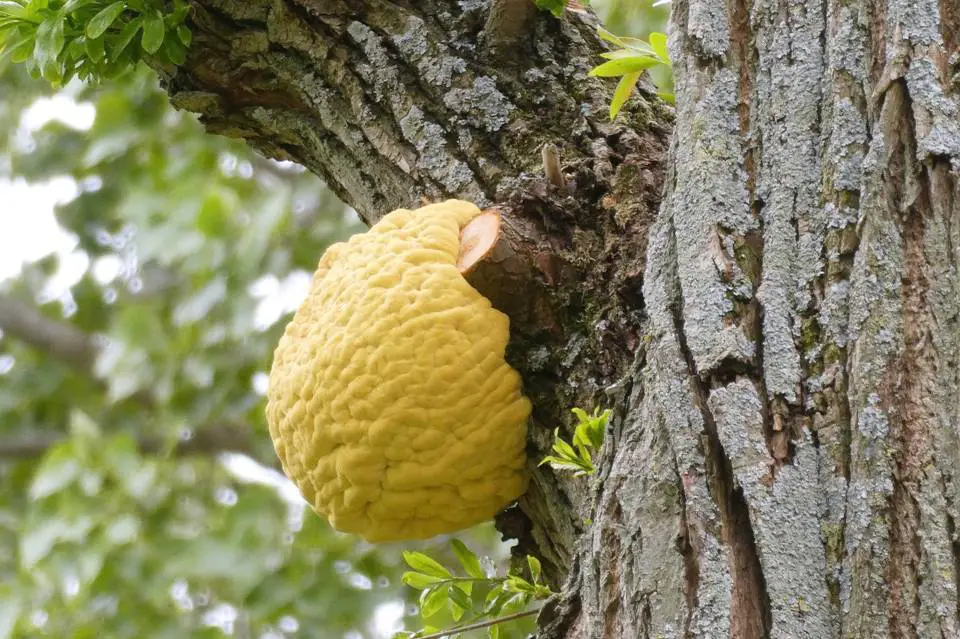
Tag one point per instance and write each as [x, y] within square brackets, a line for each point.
[390, 404]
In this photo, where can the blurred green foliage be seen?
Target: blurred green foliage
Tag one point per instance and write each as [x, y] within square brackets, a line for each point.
[92, 39]
[635, 18]
[123, 511]
[108, 527]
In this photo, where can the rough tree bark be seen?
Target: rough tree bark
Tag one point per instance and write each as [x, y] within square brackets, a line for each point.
[771, 308]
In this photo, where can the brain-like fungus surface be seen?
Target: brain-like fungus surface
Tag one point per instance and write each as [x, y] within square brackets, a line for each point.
[390, 403]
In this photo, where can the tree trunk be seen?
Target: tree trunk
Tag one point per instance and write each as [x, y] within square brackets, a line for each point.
[777, 335]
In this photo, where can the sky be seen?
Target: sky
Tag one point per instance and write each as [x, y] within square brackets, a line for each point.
[28, 228]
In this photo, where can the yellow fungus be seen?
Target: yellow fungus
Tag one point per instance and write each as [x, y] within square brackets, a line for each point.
[390, 403]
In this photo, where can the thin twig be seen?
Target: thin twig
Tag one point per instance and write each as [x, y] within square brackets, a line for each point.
[452, 580]
[478, 625]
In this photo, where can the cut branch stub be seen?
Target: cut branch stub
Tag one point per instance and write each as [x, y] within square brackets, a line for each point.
[477, 240]
[551, 165]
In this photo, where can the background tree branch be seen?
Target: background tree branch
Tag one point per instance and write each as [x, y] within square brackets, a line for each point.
[207, 441]
[59, 340]
[63, 342]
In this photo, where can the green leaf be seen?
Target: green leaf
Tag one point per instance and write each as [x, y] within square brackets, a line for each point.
[627, 53]
[580, 414]
[153, 31]
[590, 429]
[180, 12]
[95, 49]
[35, 544]
[542, 592]
[579, 468]
[556, 7]
[19, 11]
[82, 427]
[419, 580]
[49, 43]
[658, 42]
[579, 460]
[198, 306]
[516, 583]
[567, 454]
[75, 49]
[186, 37]
[491, 603]
[432, 601]
[581, 436]
[467, 558]
[562, 464]
[424, 564]
[585, 436]
[465, 586]
[561, 447]
[667, 96]
[598, 428]
[460, 598]
[516, 603]
[21, 52]
[609, 37]
[535, 569]
[174, 51]
[57, 471]
[126, 35]
[99, 23]
[583, 454]
[624, 65]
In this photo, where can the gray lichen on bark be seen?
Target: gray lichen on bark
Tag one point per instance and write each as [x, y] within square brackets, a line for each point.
[827, 429]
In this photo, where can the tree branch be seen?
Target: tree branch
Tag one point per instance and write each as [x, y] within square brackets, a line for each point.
[449, 632]
[64, 342]
[206, 441]
[60, 340]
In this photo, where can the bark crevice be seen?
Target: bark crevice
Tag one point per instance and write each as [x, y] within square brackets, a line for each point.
[908, 390]
[750, 604]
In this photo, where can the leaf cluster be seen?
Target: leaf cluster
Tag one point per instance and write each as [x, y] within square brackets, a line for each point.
[469, 594]
[629, 62]
[92, 39]
[587, 435]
